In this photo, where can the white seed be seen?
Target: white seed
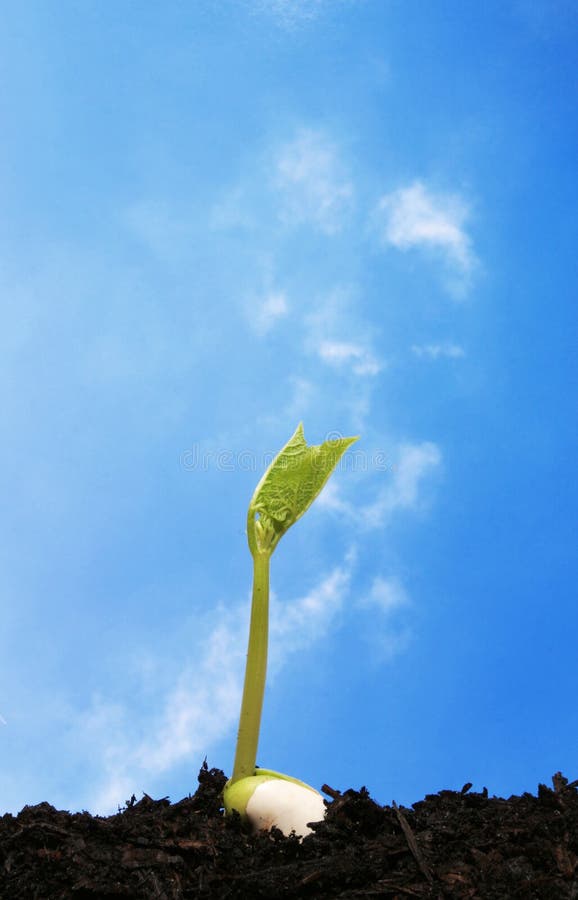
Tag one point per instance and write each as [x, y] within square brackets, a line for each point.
[288, 806]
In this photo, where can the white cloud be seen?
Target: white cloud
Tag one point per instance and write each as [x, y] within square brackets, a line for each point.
[314, 189]
[415, 217]
[403, 491]
[268, 311]
[203, 703]
[434, 351]
[356, 357]
[386, 594]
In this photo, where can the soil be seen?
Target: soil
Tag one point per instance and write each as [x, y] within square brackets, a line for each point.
[452, 844]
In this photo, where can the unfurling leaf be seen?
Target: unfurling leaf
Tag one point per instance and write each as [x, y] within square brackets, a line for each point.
[289, 486]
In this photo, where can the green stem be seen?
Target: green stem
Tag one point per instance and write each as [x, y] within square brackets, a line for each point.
[255, 671]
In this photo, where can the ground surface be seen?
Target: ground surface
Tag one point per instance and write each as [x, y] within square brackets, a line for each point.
[449, 845]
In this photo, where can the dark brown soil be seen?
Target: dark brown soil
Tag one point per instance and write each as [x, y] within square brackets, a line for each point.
[452, 844]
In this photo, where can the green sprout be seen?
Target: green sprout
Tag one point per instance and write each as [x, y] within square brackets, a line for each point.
[286, 491]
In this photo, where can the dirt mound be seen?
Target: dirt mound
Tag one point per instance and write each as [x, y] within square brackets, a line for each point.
[451, 844]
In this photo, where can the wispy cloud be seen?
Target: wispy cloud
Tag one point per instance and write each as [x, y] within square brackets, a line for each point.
[290, 14]
[387, 595]
[389, 635]
[231, 211]
[267, 311]
[336, 334]
[354, 357]
[202, 705]
[414, 463]
[415, 217]
[435, 351]
[311, 617]
[312, 183]
[300, 394]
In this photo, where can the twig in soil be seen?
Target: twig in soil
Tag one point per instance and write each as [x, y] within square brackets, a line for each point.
[331, 792]
[393, 885]
[412, 843]
[313, 876]
[561, 784]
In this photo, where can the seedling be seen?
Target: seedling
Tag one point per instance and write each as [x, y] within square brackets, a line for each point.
[286, 491]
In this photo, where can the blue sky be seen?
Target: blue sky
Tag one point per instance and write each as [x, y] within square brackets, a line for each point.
[218, 219]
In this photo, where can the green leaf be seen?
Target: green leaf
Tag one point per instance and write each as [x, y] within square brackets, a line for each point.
[289, 486]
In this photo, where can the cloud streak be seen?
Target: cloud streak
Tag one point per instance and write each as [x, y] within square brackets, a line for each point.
[291, 14]
[387, 595]
[313, 187]
[202, 705]
[389, 636]
[435, 351]
[415, 462]
[354, 357]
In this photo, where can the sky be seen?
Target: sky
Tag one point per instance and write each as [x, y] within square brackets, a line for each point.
[219, 219]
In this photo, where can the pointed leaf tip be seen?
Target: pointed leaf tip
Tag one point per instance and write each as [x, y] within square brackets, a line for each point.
[290, 485]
